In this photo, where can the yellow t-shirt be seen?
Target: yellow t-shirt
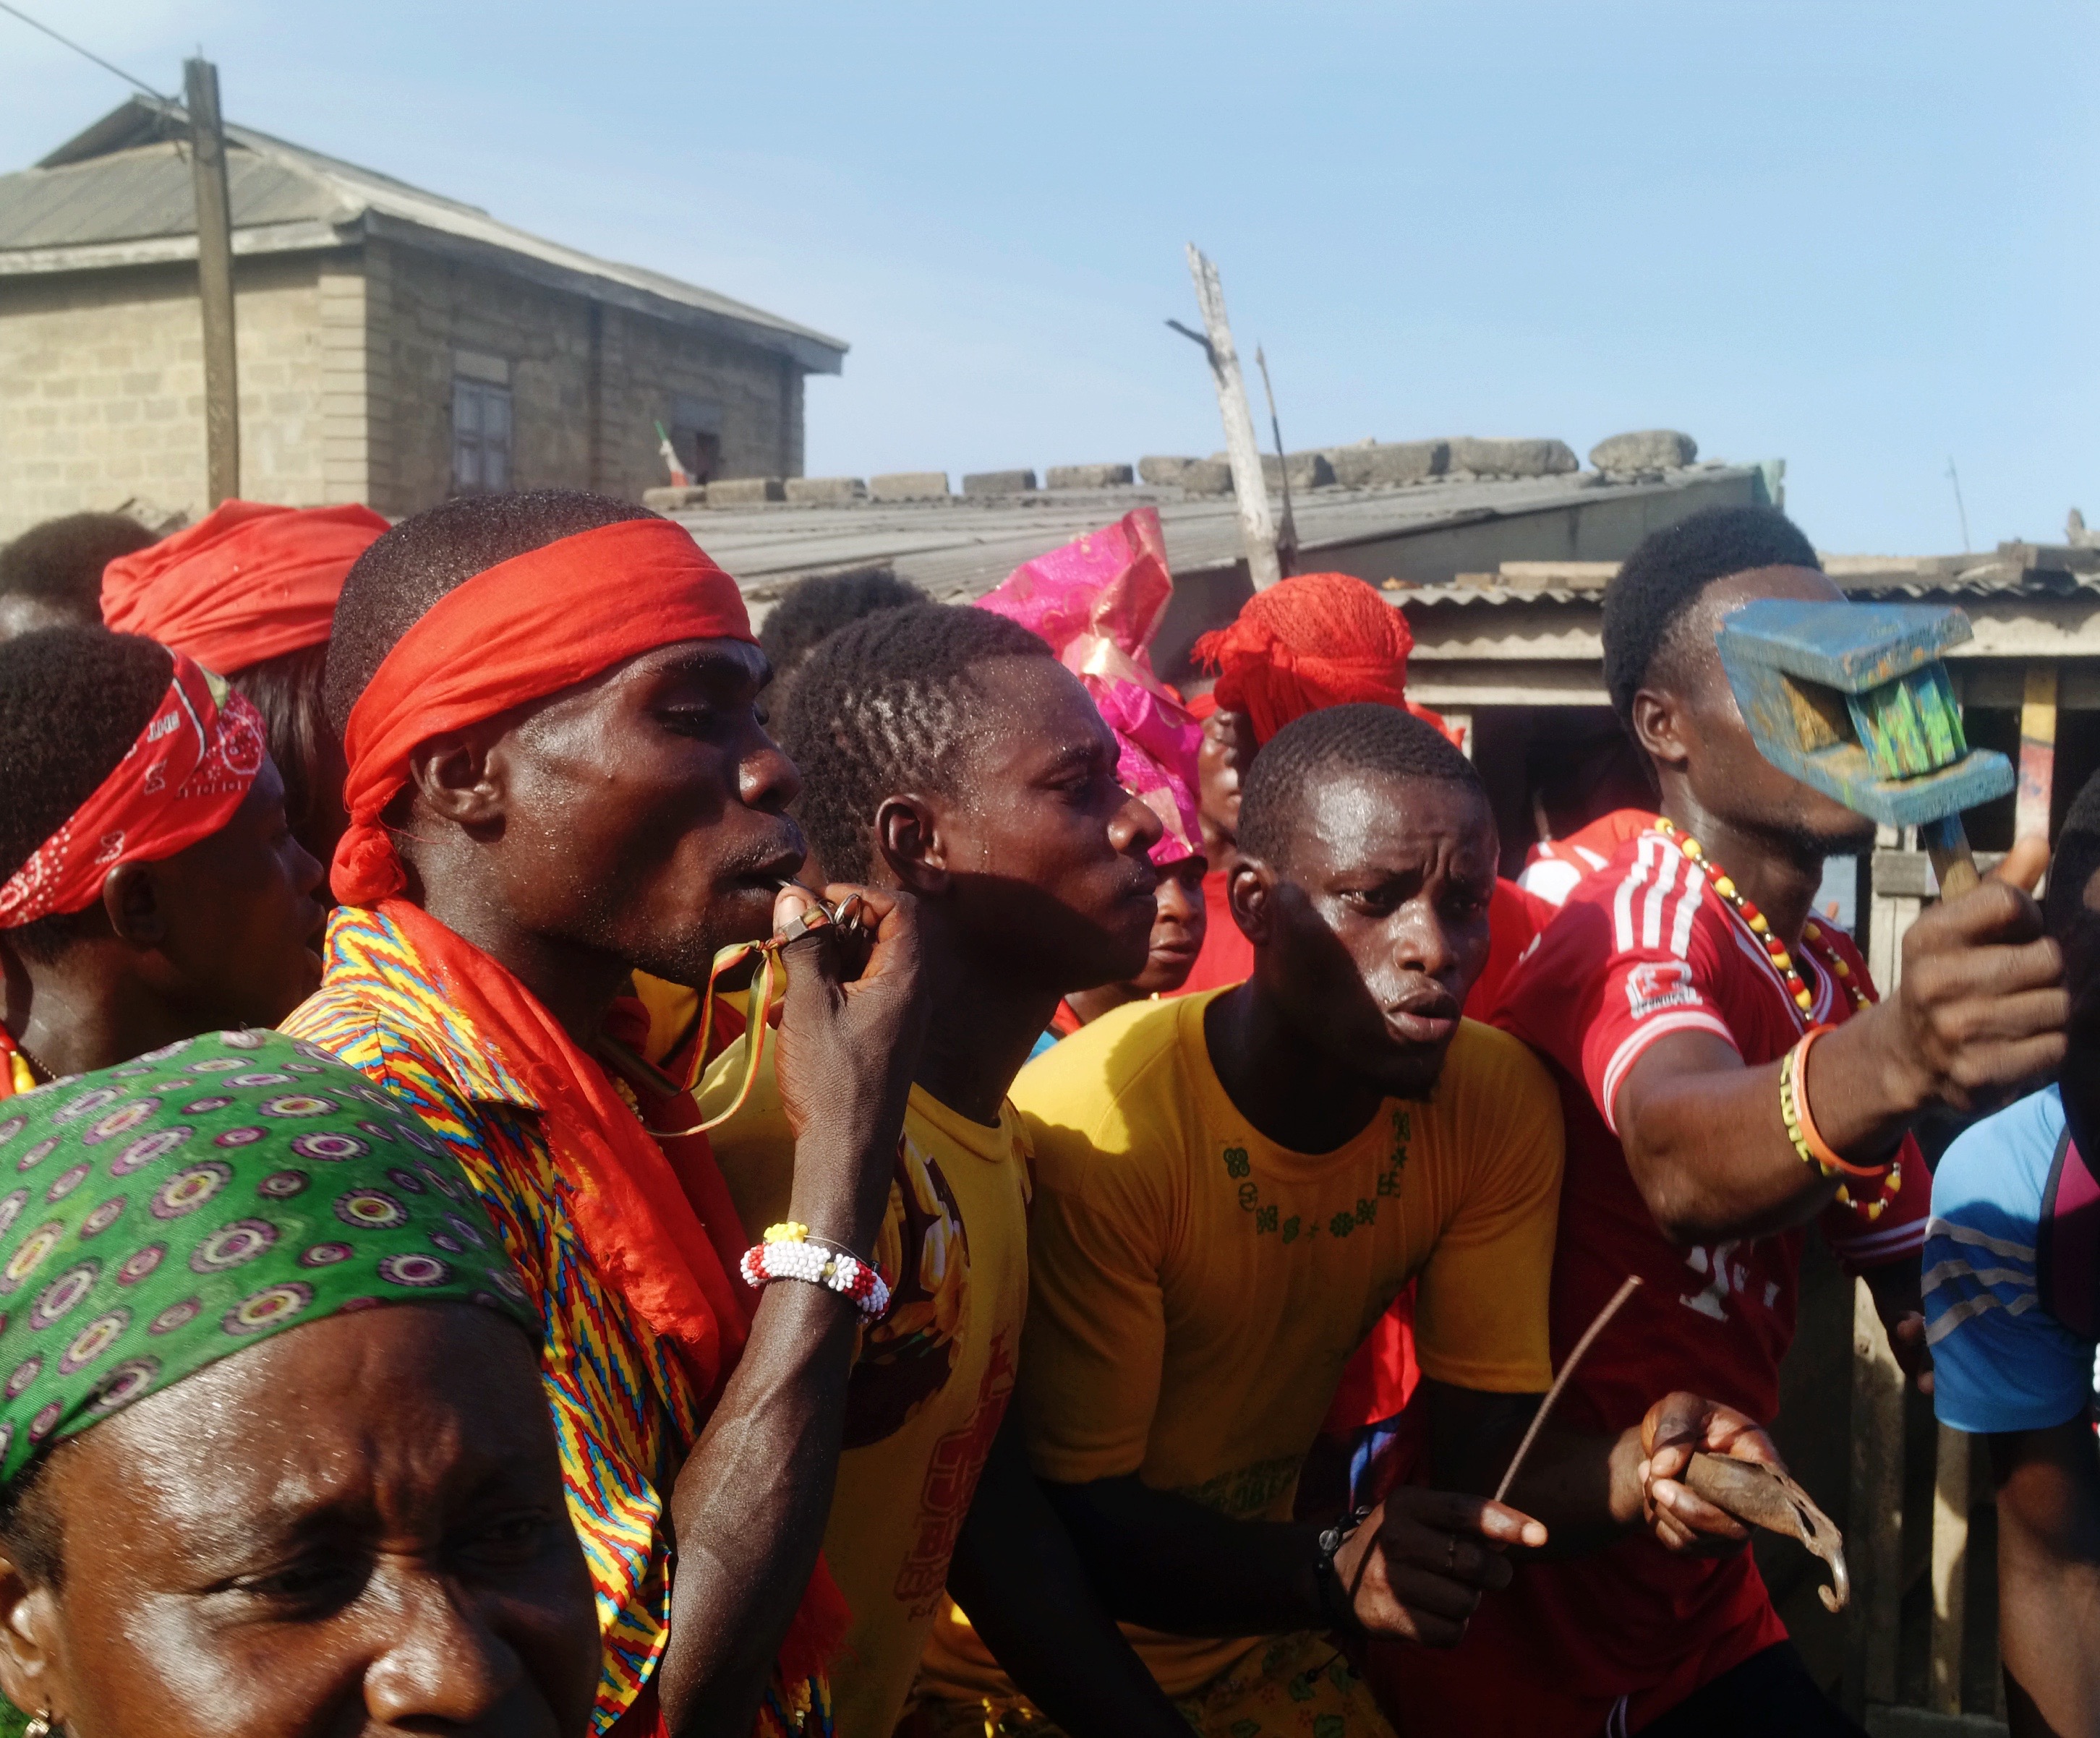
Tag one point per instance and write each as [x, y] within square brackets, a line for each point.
[933, 1377]
[1196, 1289]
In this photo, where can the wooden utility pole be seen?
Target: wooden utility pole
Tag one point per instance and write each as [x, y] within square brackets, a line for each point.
[1257, 528]
[214, 226]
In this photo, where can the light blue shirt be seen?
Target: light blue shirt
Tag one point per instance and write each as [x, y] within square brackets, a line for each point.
[2001, 1362]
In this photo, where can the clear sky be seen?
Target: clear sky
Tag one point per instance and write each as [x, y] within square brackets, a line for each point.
[1865, 237]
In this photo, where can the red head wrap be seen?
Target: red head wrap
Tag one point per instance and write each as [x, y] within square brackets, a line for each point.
[246, 582]
[179, 782]
[519, 631]
[1098, 600]
[1316, 640]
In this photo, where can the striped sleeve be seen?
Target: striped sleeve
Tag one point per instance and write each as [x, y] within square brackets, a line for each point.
[1663, 973]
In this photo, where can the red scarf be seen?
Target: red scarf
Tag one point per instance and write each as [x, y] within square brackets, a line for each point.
[661, 1229]
[179, 782]
[245, 583]
[519, 631]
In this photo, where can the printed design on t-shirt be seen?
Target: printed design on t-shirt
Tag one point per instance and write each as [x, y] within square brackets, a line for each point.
[923, 1254]
[1247, 1491]
[1654, 985]
[1726, 1278]
[951, 1482]
[1341, 1223]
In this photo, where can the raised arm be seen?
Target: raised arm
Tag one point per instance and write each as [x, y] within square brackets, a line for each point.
[748, 1510]
[1980, 1009]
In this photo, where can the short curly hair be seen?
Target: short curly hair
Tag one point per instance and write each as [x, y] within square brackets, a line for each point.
[884, 706]
[72, 700]
[1668, 571]
[1334, 742]
[60, 562]
[397, 581]
[813, 610]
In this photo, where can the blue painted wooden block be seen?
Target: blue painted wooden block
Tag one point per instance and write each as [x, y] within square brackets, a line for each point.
[1853, 699]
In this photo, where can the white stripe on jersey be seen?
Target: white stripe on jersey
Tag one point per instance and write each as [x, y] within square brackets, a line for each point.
[1658, 891]
[1634, 879]
[1687, 908]
[1637, 1041]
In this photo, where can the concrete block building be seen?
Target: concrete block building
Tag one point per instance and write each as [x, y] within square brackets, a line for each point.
[395, 348]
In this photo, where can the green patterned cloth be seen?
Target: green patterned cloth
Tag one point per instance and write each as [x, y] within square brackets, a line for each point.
[157, 1217]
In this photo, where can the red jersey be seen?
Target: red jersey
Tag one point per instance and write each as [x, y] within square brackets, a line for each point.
[1552, 867]
[1644, 948]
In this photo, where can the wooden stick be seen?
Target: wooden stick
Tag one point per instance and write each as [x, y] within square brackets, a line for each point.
[1560, 1381]
[1257, 529]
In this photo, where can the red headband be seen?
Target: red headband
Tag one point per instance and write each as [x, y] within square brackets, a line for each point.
[519, 631]
[246, 582]
[1315, 641]
[179, 782]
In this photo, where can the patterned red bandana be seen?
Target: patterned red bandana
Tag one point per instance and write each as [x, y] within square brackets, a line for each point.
[180, 782]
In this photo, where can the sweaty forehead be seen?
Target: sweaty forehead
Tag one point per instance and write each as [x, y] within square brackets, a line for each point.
[1360, 819]
[1689, 649]
[1017, 714]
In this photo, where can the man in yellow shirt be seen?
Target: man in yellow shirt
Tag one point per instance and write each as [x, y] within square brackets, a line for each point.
[946, 753]
[1230, 1190]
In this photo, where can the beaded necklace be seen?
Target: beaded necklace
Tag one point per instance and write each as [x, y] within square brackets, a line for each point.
[1775, 950]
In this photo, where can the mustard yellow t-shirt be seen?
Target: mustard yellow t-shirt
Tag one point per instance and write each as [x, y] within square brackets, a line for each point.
[931, 1382]
[1196, 1289]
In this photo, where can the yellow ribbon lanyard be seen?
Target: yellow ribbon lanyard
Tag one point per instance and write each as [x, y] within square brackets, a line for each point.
[759, 1004]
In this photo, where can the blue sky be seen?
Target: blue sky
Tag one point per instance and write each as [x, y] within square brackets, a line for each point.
[1863, 237]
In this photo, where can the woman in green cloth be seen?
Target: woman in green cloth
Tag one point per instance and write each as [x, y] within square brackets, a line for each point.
[238, 1498]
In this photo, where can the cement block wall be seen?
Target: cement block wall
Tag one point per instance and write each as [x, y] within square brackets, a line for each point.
[347, 362]
[102, 388]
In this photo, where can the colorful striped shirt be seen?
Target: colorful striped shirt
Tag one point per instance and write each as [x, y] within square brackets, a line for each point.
[624, 1412]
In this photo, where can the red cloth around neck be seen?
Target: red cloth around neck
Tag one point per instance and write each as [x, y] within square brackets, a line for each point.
[519, 631]
[659, 1227]
[245, 583]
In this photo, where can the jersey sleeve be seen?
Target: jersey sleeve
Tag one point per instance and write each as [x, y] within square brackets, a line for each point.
[1663, 973]
[2001, 1362]
[1481, 1301]
[1094, 1345]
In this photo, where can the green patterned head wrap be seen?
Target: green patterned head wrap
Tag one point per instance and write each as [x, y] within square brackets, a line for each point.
[159, 1216]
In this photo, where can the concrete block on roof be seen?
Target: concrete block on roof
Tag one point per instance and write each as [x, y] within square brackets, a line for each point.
[745, 491]
[1308, 471]
[999, 483]
[1194, 476]
[909, 485]
[667, 499]
[1377, 463]
[1088, 476]
[808, 491]
[1513, 458]
[1645, 449]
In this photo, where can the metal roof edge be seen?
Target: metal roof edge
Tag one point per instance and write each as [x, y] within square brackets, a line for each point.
[305, 236]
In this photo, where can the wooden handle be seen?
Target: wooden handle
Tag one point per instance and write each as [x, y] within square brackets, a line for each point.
[1947, 844]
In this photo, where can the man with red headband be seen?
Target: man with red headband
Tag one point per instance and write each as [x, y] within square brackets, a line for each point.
[148, 890]
[558, 776]
[249, 591]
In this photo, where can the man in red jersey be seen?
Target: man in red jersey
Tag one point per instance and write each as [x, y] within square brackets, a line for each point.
[1672, 999]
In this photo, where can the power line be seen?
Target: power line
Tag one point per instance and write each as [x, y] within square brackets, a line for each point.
[90, 54]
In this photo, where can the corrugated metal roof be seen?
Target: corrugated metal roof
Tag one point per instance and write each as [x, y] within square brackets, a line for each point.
[126, 180]
[962, 547]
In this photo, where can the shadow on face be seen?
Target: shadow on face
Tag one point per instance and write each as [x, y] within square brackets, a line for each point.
[1227, 750]
[1371, 932]
[239, 918]
[1177, 930]
[357, 1525]
[1047, 855]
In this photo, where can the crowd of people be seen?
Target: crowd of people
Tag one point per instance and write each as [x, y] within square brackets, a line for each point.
[1038, 1201]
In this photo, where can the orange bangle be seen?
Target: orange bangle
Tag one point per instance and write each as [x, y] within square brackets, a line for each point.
[1810, 1136]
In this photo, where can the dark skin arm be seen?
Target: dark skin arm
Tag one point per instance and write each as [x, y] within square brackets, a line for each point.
[2049, 1579]
[748, 1510]
[1017, 1575]
[1980, 1010]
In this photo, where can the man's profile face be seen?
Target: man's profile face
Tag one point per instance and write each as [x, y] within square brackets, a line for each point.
[1378, 921]
[1729, 777]
[1049, 851]
[646, 810]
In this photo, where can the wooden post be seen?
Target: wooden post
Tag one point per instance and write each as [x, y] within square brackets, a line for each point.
[1257, 528]
[1874, 1526]
[2037, 750]
[1950, 1560]
[214, 226]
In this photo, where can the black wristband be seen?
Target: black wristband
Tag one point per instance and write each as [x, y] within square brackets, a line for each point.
[1336, 1603]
